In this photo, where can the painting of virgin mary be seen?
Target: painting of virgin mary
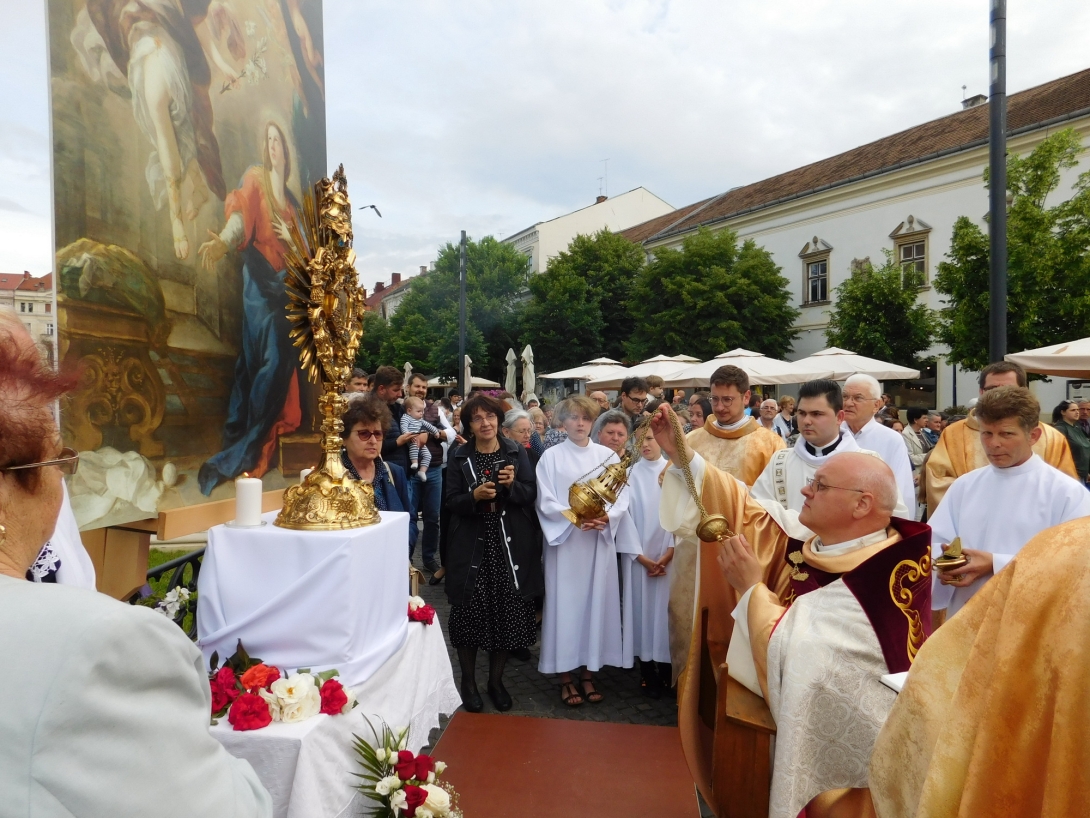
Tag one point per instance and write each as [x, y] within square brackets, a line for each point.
[264, 401]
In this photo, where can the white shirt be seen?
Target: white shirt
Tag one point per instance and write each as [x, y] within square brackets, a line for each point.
[733, 427]
[999, 511]
[890, 447]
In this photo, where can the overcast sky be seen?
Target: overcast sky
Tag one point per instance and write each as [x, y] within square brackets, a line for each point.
[490, 116]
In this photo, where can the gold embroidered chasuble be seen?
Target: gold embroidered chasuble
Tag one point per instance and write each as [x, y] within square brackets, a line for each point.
[960, 451]
[743, 453]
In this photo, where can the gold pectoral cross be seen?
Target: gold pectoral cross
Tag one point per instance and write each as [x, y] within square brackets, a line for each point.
[796, 569]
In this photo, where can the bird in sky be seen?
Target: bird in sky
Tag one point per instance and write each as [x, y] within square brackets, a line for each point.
[373, 207]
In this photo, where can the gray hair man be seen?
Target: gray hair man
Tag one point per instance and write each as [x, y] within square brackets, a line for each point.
[862, 399]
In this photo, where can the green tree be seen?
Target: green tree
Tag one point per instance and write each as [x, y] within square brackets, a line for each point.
[562, 321]
[424, 330]
[579, 307]
[878, 316]
[375, 331]
[1048, 267]
[711, 296]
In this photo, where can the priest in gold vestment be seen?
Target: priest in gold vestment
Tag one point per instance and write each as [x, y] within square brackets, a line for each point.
[959, 450]
[993, 718]
[739, 445]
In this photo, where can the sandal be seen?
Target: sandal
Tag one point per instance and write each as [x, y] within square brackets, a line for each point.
[572, 699]
[592, 695]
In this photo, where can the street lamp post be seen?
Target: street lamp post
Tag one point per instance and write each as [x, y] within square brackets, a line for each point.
[464, 387]
[997, 182]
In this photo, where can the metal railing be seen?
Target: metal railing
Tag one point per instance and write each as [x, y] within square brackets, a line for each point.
[183, 571]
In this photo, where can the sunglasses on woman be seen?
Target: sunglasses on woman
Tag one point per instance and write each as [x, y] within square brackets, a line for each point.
[67, 462]
[367, 434]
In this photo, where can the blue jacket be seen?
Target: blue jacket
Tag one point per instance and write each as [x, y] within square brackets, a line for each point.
[395, 496]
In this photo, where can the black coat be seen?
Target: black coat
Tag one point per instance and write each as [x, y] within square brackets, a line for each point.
[519, 530]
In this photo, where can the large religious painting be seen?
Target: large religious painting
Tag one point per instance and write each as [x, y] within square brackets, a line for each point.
[184, 133]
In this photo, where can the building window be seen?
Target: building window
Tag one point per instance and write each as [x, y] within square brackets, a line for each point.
[817, 281]
[48, 329]
[22, 306]
[910, 248]
[815, 271]
[48, 308]
[30, 306]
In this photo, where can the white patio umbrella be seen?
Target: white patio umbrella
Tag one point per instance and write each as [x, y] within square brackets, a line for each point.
[529, 379]
[760, 368]
[509, 381]
[598, 368]
[661, 365]
[843, 364]
[1070, 359]
[478, 383]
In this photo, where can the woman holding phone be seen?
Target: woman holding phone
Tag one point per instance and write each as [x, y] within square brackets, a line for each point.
[494, 552]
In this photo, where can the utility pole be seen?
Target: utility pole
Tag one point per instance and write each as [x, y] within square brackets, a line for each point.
[463, 386]
[997, 183]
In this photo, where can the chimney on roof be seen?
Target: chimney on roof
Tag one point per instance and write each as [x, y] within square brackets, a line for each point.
[395, 279]
[26, 275]
[423, 269]
[973, 101]
[379, 287]
[600, 199]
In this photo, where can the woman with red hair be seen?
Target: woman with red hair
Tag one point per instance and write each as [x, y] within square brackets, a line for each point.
[109, 706]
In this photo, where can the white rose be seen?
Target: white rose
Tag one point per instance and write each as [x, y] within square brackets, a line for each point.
[351, 700]
[416, 602]
[398, 801]
[431, 778]
[293, 689]
[388, 785]
[440, 767]
[310, 705]
[272, 702]
[438, 800]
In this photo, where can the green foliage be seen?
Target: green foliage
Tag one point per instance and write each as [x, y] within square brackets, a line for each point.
[877, 316]
[424, 330]
[375, 333]
[711, 296]
[579, 307]
[1048, 267]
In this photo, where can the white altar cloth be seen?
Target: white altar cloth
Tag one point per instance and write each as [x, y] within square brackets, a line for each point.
[314, 599]
[308, 767]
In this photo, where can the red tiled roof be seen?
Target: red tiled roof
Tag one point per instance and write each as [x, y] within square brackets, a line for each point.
[1052, 102]
[13, 281]
[42, 283]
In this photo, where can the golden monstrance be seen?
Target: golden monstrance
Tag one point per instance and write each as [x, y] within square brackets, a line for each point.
[325, 308]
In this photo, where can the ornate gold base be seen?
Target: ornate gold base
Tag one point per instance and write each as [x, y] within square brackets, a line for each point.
[324, 504]
[714, 528]
[571, 517]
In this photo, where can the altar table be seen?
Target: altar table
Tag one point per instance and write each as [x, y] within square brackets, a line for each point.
[313, 599]
[308, 767]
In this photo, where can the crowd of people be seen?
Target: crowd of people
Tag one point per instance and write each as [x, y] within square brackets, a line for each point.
[827, 580]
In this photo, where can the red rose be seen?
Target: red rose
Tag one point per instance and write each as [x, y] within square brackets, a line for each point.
[424, 765]
[415, 797]
[249, 712]
[333, 697]
[224, 688]
[405, 766]
[425, 614]
[259, 676]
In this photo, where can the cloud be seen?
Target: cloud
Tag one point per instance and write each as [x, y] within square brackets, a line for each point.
[490, 116]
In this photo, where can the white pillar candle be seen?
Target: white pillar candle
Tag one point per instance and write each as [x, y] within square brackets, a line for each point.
[303, 475]
[248, 501]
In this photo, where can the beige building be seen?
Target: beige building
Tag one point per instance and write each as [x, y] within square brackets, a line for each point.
[31, 299]
[544, 240]
[901, 194]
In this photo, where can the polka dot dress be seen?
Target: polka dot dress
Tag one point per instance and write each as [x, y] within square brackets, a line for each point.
[497, 617]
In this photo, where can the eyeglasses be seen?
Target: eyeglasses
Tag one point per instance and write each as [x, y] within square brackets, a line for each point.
[857, 398]
[723, 401]
[637, 401]
[367, 434]
[67, 463]
[817, 486]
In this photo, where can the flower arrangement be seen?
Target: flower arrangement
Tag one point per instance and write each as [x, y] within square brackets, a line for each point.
[403, 784]
[253, 695]
[420, 611]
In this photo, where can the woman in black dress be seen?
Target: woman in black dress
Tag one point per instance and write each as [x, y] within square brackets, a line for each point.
[494, 551]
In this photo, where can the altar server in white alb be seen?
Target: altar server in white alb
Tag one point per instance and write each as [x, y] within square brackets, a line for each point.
[999, 508]
[820, 413]
[862, 397]
[647, 580]
[581, 623]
